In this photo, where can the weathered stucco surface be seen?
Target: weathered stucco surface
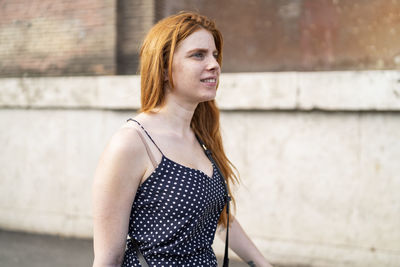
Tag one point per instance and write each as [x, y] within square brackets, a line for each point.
[317, 153]
[330, 90]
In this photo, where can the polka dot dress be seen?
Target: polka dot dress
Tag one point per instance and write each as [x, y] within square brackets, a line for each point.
[174, 216]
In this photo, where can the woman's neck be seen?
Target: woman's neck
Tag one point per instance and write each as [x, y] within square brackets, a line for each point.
[177, 116]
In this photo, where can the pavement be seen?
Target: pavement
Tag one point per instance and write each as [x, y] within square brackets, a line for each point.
[19, 249]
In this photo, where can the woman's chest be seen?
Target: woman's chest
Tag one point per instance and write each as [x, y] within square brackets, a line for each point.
[173, 187]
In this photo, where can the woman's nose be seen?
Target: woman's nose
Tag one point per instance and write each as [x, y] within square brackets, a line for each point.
[213, 64]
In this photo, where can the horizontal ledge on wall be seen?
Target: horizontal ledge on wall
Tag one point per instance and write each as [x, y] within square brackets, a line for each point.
[99, 92]
[330, 91]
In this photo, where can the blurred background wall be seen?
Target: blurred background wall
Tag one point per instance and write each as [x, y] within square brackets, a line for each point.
[310, 101]
[102, 37]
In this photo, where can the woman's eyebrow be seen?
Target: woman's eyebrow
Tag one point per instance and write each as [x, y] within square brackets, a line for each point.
[204, 50]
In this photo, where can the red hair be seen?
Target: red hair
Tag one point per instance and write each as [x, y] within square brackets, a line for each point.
[156, 56]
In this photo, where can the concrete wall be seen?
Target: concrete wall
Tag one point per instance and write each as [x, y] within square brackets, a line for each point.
[317, 152]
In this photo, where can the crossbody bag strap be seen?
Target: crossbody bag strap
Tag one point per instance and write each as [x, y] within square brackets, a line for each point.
[139, 254]
[209, 155]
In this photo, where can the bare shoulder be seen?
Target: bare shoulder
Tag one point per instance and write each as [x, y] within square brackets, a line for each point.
[126, 140]
[124, 156]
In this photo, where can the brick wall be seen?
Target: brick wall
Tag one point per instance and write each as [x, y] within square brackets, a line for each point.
[135, 18]
[100, 37]
[48, 38]
[304, 35]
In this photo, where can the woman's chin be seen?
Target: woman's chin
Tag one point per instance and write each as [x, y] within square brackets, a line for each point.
[206, 98]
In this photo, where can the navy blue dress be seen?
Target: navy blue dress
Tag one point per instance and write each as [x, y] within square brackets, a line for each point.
[174, 216]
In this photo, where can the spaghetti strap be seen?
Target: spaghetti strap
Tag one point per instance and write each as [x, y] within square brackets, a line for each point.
[130, 119]
[149, 153]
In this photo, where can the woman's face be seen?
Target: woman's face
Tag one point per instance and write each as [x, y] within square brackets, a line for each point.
[195, 70]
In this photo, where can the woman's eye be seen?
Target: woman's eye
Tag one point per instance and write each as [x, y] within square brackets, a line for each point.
[216, 56]
[199, 55]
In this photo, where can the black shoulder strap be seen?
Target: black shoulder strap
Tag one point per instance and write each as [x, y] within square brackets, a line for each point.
[209, 155]
[148, 135]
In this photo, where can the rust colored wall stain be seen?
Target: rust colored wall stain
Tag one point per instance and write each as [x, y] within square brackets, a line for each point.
[303, 35]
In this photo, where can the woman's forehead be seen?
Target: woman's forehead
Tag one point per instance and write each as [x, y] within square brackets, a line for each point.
[200, 39]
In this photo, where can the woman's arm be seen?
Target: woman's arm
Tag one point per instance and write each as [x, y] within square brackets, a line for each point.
[117, 178]
[241, 244]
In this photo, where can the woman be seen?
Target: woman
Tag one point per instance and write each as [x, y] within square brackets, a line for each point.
[156, 162]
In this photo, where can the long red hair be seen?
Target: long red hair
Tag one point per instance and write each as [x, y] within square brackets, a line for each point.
[156, 56]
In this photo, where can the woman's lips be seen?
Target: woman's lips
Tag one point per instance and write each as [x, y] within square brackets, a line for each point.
[209, 81]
